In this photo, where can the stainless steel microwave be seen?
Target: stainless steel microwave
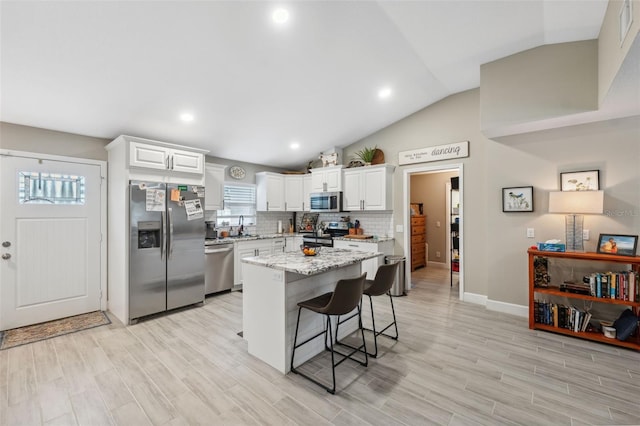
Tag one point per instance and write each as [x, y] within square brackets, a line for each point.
[326, 202]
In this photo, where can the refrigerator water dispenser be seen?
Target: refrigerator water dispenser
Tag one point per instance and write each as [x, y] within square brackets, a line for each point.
[148, 234]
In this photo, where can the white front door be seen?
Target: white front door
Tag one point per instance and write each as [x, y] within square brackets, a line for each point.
[50, 240]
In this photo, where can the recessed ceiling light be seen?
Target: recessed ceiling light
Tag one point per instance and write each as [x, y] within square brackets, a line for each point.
[280, 16]
[384, 93]
[294, 145]
[186, 117]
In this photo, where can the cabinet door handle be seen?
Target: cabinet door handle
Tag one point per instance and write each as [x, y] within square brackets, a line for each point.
[166, 162]
[267, 206]
[285, 206]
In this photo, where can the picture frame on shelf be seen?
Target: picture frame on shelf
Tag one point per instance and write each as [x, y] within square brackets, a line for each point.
[617, 244]
[517, 199]
[588, 180]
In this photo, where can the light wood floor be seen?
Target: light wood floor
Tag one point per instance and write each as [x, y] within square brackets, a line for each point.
[455, 364]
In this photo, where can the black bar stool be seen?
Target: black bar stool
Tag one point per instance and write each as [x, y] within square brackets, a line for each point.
[344, 299]
[381, 284]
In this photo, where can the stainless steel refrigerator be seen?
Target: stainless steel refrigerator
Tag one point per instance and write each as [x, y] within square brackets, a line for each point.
[166, 261]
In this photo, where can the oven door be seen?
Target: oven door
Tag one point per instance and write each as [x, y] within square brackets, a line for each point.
[317, 241]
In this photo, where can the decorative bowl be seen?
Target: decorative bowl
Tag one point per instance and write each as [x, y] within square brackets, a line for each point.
[309, 251]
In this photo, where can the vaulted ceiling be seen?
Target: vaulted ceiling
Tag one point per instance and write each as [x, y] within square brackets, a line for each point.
[253, 86]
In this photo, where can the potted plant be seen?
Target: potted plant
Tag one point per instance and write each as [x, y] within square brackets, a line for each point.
[367, 154]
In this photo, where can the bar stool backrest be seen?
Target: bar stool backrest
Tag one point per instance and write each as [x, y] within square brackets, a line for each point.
[346, 296]
[384, 279]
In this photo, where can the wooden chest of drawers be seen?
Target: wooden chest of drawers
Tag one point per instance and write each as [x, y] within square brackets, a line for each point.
[418, 240]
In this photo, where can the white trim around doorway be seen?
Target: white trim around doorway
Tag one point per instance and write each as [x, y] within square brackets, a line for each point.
[406, 186]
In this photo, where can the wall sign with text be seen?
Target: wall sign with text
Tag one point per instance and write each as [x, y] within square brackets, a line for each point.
[434, 153]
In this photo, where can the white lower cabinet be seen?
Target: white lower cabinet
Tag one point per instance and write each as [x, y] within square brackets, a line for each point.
[252, 248]
[370, 266]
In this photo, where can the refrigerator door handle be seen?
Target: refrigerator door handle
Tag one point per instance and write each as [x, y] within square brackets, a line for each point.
[163, 245]
[170, 217]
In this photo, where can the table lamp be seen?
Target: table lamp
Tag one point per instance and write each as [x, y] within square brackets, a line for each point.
[575, 204]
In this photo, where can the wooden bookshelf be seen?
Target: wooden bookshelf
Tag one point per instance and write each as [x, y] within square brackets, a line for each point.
[632, 342]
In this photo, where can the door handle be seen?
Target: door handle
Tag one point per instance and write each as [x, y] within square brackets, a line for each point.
[170, 220]
[209, 251]
[6, 256]
[163, 246]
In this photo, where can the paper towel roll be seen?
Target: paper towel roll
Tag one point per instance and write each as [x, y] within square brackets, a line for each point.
[279, 227]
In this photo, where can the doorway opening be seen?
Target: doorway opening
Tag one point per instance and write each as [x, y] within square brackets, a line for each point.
[430, 197]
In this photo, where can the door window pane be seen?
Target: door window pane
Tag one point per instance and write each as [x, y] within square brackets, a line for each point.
[50, 188]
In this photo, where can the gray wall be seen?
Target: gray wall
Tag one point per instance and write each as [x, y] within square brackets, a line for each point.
[549, 81]
[250, 168]
[43, 141]
[495, 243]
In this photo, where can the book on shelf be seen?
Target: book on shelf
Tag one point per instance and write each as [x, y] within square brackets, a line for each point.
[561, 316]
[612, 285]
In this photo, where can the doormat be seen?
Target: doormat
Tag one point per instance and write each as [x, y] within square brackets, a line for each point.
[47, 330]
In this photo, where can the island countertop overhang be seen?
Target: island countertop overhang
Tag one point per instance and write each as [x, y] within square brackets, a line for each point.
[296, 262]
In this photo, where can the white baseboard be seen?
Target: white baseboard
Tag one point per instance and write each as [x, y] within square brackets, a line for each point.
[508, 308]
[495, 305]
[478, 299]
[437, 265]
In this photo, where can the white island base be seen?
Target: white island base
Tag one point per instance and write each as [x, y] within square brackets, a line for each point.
[269, 312]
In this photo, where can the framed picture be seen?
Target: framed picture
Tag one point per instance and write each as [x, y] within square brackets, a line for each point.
[622, 245]
[517, 199]
[580, 181]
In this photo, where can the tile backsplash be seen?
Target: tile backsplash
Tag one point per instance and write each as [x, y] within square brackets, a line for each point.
[379, 224]
[373, 223]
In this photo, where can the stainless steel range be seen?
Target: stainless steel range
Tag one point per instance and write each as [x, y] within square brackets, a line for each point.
[333, 229]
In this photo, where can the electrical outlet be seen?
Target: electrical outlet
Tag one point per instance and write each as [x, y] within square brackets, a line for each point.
[437, 254]
[585, 234]
[437, 224]
[531, 233]
[399, 228]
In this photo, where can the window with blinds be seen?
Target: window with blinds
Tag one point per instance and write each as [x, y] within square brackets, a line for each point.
[239, 200]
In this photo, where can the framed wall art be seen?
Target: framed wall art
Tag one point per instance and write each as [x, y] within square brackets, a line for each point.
[622, 245]
[517, 199]
[588, 180]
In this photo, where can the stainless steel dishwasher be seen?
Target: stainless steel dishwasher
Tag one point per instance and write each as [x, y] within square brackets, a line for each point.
[218, 273]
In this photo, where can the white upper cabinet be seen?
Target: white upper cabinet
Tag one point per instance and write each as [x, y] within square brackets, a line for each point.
[214, 186]
[306, 193]
[326, 179]
[368, 188]
[186, 161]
[270, 192]
[293, 193]
[164, 158]
[148, 156]
[151, 160]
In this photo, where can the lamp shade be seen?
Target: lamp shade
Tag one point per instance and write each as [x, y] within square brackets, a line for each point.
[580, 202]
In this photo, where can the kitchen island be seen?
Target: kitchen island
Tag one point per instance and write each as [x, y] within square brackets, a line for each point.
[274, 284]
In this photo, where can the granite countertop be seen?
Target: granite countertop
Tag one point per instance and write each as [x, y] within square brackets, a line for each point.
[231, 240]
[328, 258]
[367, 240]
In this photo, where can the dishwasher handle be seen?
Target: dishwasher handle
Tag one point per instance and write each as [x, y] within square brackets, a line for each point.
[223, 250]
